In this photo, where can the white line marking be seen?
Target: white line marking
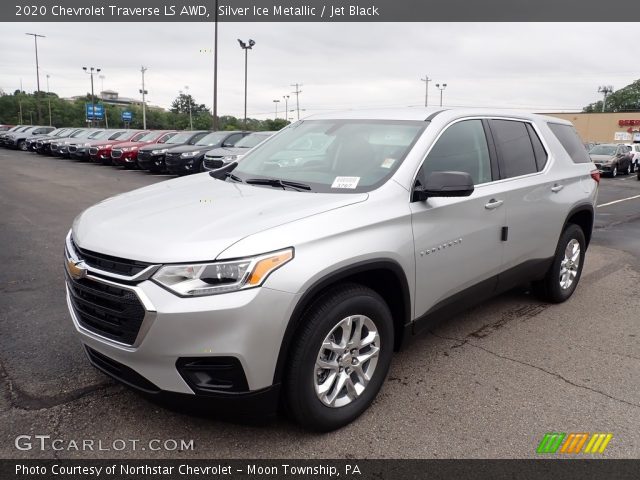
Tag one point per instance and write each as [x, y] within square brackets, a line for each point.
[618, 201]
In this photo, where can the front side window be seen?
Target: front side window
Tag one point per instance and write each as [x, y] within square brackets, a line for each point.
[336, 156]
[461, 148]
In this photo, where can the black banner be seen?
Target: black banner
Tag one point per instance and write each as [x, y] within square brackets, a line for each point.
[318, 11]
[320, 469]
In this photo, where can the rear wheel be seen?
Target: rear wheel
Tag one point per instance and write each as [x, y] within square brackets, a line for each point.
[340, 357]
[562, 278]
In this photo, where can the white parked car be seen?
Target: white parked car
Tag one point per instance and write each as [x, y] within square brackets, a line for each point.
[635, 151]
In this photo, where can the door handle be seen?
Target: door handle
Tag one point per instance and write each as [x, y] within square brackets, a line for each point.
[556, 188]
[493, 203]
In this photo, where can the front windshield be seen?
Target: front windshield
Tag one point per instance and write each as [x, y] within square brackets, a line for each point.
[97, 135]
[180, 138]
[603, 150]
[212, 139]
[252, 140]
[336, 156]
[149, 137]
[79, 134]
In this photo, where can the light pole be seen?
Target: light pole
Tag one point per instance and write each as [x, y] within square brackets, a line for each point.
[441, 88]
[286, 107]
[426, 81]
[93, 107]
[186, 87]
[144, 103]
[246, 47]
[215, 70]
[276, 102]
[49, 100]
[35, 39]
[605, 90]
[102, 77]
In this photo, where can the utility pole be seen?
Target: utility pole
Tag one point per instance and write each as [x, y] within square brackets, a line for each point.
[49, 99]
[297, 92]
[426, 81]
[276, 102]
[215, 70]
[35, 39]
[144, 105]
[605, 90]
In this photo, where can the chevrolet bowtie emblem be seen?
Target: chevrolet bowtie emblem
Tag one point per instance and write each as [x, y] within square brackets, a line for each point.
[76, 270]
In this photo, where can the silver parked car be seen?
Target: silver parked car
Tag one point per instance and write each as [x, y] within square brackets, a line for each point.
[294, 274]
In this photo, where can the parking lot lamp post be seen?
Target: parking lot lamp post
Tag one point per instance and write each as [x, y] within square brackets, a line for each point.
[441, 88]
[186, 87]
[35, 38]
[246, 47]
[276, 102]
[90, 71]
[49, 99]
[286, 107]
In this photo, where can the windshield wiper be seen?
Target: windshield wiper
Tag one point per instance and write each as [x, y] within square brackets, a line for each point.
[276, 182]
[233, 177]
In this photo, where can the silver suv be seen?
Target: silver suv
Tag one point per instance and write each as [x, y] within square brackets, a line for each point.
[289, 278]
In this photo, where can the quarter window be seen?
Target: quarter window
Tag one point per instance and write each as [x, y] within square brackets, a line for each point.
[461, 148]
[514, 146]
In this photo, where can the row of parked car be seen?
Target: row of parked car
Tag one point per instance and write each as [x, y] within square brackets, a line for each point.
[158, 151]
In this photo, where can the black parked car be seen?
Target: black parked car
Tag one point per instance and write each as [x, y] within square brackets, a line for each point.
[151, 157]
[189, 158]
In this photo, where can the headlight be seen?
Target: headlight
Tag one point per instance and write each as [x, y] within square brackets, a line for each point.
[86, 144]
[230, 158]
[190, 154]
[221, 277]
[105, 146]
[159, 152]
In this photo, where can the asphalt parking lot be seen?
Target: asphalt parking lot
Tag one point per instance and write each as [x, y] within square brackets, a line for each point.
[488, 384]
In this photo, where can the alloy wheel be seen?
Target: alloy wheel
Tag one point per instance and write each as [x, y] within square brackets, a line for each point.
[570, 264]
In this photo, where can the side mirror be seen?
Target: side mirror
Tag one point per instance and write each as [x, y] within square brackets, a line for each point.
[444, 184]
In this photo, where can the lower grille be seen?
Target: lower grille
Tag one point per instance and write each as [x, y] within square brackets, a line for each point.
[120, 372]
[110, 311]
[72, 148]
[116, 153]
[93, 151]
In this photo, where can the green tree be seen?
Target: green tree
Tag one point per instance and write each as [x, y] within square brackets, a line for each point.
[622, 100]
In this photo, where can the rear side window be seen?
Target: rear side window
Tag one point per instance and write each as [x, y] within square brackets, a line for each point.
[568, 137]
[514, 146]
[538, 149]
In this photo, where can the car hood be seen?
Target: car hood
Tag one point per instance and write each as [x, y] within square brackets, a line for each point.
[224, 151]
[602, 158]
[132, 144]
[194, 218]
[189, 148]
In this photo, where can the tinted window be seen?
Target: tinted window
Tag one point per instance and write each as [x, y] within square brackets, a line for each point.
[514, 148]
[461, 148]
[571, 142]
[538, 149]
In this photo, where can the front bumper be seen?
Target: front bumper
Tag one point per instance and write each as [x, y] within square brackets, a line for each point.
[80, 153]
[179, 165]
[153, 163]
[124, 159]
[166, 336]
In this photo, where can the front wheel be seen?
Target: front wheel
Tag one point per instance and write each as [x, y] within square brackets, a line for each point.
[562, 278]
[627, 170]
[22, 145]
[614, 172]
[340, 358]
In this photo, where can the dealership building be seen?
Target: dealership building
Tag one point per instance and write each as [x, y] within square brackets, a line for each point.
[619, 127]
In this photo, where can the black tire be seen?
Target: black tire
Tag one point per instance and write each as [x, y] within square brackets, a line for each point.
[22, 145]
[325, 313]
[549, 288]
[627, 170]
[614, 171]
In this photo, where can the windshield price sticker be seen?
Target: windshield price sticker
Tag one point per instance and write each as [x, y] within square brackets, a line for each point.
[388, 162]
[345, 182]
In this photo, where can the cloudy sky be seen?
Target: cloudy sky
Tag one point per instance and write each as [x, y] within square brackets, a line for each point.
[533, 66]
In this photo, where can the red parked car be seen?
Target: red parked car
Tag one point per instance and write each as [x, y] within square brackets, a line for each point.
[125, 154]
[100, 151]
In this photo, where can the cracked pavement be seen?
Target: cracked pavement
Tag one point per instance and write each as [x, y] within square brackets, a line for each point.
[486, 384]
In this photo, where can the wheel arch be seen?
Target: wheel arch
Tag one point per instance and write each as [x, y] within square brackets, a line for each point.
[386, 277]
[583, 216]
